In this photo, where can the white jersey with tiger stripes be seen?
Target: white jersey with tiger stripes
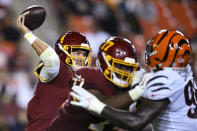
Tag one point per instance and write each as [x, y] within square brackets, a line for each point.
[179, 87]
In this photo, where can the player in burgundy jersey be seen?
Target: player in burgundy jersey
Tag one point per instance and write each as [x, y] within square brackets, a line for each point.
[116, 65]
[170, 92]
[72, 51]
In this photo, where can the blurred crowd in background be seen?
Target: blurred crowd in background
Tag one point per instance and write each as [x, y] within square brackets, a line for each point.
[137, 20]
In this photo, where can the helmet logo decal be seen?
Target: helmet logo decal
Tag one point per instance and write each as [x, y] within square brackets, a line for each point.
[107, 45]
[62, 39]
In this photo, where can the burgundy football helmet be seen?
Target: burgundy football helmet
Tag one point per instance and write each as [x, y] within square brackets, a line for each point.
[117, 60]
[70, 42]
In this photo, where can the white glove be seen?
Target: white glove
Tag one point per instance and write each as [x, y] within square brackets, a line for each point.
[86, 99]
[138, 91]
[137, 77]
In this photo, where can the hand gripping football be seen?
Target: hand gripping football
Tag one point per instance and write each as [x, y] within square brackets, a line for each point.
[34, 16]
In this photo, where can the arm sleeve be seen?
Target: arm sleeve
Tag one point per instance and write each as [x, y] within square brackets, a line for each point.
[50, 65]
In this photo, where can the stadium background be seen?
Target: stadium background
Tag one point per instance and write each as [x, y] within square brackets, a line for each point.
[137, 20]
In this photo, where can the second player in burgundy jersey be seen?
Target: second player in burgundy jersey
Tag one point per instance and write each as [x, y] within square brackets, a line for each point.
[73, 118]
[116, 65]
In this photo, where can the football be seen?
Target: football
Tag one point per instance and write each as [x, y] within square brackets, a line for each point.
[34, 16]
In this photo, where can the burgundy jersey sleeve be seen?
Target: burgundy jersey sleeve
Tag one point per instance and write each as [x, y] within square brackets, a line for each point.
[72, 118]
[47, 99]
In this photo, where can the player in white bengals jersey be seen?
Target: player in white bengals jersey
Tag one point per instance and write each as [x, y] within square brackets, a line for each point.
[170, 92]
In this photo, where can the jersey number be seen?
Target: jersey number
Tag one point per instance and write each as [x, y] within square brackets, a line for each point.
[191, 99]
[107, 45]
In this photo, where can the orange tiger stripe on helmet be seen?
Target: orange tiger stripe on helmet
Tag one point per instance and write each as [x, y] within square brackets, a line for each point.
[169, 48]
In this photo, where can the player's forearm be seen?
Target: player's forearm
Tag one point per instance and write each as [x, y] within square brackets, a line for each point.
[124, 99]
[122, 118]
[145, 113]
[39, 46]
[120, 101]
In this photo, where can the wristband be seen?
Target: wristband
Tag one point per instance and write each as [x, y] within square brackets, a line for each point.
[30, 37]
[136, 93]
[96, 106]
